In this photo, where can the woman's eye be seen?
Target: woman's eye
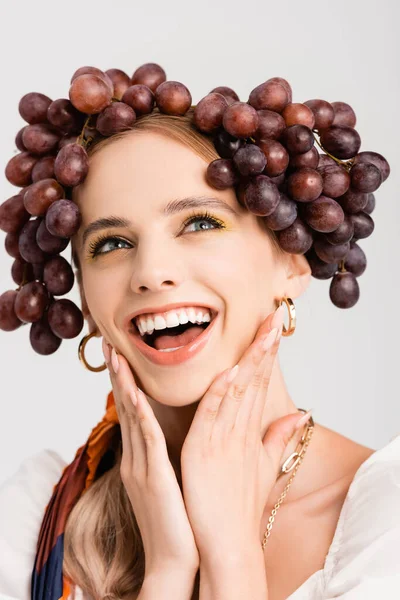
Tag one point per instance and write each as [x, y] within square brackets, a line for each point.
[112, 242]
[205, 219]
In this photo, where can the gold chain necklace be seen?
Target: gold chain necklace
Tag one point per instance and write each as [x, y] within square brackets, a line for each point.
[297, 457]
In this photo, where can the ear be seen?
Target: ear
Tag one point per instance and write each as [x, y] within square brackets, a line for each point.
[298, 272]
[85, 309]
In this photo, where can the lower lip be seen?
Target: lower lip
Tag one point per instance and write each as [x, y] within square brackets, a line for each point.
[175, 357]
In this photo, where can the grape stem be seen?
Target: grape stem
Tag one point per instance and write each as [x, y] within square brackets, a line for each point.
[346, 164]
[81, 139]
[342, 267]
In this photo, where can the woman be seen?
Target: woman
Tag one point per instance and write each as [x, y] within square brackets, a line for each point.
[181, 505]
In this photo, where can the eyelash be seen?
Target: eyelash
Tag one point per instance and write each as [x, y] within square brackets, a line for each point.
[95, 246]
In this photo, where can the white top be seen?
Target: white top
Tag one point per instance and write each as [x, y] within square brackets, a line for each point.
[363, 561]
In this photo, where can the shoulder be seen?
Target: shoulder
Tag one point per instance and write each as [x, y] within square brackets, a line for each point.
[23, 500]
[363, 561]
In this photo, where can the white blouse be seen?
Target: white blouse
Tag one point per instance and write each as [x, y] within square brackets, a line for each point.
[363, 561]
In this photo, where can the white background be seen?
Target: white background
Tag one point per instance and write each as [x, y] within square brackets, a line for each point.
[344, 363]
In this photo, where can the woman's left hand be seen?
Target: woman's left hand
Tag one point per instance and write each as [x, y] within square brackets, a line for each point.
[228, 471]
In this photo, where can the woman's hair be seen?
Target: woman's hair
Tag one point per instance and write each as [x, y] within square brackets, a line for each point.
[103, 548]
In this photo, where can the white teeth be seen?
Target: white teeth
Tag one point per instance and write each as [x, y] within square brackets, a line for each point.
[170, 349]
[147, 324]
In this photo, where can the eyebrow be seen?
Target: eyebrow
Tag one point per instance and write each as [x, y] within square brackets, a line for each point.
[172, 208]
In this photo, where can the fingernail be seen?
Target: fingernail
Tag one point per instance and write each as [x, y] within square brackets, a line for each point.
[303, 420]
[267, 341]
[277, 319]
[106, 351]
[232, 373]
[114, 361]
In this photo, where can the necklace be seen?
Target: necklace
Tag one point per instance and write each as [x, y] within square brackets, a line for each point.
[297, 457]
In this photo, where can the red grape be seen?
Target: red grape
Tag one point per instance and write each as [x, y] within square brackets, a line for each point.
[344, 114]
[62, 114]
[323, 111]
[330, 253]
[261, 196]
[173, 98]
[18, 139]
[65, 318]
[63, 218]
[48, 242]
[13, 214]
[271, 95]
[376, 159]
[298, 114]
[19, 169]
[370, 207]
[365, 177]
[276, 155]
[42, 339]
[341, 141]
[28, 246]
[140, 98]
[120, 80]
[319, 268]
[31, 302]
[240, 120]
[11, 244]
[58, 276]
[297, 139]
[324, 214]
[343, 233]
[209, 112]
[307, 159]
[115, 118]
[250, 160]
[8, 319]
[356, 261]
[40, 195]
[71, 165]
[284, 214]
[221, 173]
[270, 125]
[228, 93]
[353, 202]
[226, 144]
[336, 180]
[33, 107]
[90, 94]
[149, 74]
[43, 169]
[94, 71]
[304, 185]
[297, 238]
[363, 225]
[344, 290]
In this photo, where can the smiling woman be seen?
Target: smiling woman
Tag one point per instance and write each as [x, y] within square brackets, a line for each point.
[187, 248]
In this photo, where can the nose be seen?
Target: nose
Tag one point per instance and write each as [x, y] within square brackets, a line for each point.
[157, 267]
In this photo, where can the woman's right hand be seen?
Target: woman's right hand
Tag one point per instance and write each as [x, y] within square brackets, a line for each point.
[149, 478]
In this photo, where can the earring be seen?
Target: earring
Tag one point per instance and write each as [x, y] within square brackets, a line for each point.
[81, 354]
[292, 316]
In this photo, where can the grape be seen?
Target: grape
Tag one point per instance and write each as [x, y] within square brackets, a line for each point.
[226, 144]
[20, 269]
[376, 159]
[31, 302]
[221, 173]
[66, 140]
[298, 114]
[65, 318]
[356, 261]
[284, 214]
[228, 93]
[43, 169]
[90, 94]
[40, 195]
[173, 98]
[63, 218]
[324, 214]
[341, 141]
[336, 180]
[28, 246]
[58, 276]
[328, 252]
[324, 113]
[209, 111]
[94, 71]
[40, 138]
[120, 80]
[71, 165]
[19, 169]
[344, 290]
[304, 185]
[62, 114]
[33, 107]
[297, 139]
[319, 268]
[250, 160]
[11, 244]
[271, 95]
[353, 202]
[365, 177]
[18, 139]
[270, 125]
[276, 155]
[363, 225]
[307, 159]
[284, 83]
[115, 118]
[279, 180]
[297, 238]
[42, 339]
[8, 319]
[370, 207]
[149, 74]
[49, 243]
[261, 197]
[13, 214]
[343, 233]
[344, 114]
[326, 161]
[140, 98]
[240, 120]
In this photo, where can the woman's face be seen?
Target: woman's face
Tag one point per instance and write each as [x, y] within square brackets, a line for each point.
[159, 260]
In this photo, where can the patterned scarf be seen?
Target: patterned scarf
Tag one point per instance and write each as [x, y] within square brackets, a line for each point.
[48, 582]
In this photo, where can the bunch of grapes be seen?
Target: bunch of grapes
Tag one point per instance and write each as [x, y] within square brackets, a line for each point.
[318, 200]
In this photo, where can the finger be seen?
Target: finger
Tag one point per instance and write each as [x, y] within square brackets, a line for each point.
[250, 413]
[244, 387]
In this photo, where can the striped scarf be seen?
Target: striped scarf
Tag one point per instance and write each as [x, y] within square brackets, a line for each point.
[48, 582]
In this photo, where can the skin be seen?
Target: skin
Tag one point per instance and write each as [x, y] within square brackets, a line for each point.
[234, 269]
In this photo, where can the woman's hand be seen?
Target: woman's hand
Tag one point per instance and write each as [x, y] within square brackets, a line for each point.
[228, 471]
[149, 478]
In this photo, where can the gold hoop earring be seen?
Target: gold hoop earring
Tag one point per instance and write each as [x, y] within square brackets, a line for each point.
[81, 354]
[292, 316]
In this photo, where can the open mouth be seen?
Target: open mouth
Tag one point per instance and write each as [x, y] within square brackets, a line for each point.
[171, 338]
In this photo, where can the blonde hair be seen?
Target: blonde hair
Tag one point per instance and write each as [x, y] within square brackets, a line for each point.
[103, 549]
